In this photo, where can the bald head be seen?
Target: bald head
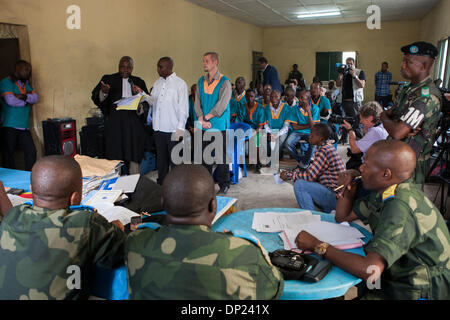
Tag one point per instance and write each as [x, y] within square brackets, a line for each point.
[189, 195]
[387, 162]
[55, 180]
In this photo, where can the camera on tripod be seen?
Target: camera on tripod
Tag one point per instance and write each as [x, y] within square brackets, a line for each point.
[337, 119]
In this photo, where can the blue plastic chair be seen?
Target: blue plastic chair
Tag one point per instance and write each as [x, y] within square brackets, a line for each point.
[239, 149]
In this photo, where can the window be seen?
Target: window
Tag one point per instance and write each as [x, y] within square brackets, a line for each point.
[327, 63]
[442, 70]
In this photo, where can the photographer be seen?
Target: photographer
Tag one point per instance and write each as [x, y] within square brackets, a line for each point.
[352, 82]
[373, 130]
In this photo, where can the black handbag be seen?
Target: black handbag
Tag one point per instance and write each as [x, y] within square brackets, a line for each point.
[298, 266]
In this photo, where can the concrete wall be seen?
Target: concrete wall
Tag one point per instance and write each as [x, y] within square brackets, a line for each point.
[67, 64]
[285, 46]
[435, 25]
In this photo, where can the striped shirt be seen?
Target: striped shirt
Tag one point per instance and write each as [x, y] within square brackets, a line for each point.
[324, 169]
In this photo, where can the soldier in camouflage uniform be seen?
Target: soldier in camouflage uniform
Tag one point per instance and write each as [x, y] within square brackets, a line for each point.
[186, 259]
[415, 114]
[39, 243]
[411, 243]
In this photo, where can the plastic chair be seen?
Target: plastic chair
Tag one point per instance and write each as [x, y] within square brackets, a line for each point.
[239, 149]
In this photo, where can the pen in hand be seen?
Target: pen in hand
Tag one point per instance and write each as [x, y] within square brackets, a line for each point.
[342, 186]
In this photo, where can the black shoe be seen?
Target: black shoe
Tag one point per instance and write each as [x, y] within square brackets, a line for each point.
[223, 190]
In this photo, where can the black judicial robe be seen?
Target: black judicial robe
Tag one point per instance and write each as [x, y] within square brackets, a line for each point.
[125, 135]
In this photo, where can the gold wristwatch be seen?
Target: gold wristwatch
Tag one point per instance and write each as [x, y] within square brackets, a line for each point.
[320, 249]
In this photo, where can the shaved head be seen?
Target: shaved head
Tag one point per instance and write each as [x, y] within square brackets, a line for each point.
[55, 179]
[387, 162]
[189, 194]
[395, 155]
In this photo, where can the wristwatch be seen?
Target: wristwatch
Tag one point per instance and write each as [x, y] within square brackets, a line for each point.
[321, 249]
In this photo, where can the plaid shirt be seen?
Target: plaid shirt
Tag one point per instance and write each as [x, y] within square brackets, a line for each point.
[324, 169]
[382, 81]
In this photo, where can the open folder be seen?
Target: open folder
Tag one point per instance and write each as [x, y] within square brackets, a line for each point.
[130, 103]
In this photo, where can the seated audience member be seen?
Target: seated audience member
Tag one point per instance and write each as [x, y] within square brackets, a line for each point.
[186, 259]
[255, 116]
[316, 184]
[289, 97]
[277, 118]
[237, 101]
[332, 92]
[408, 256]
[373, 130]
[294, 84]
[39, 243]
[320, 101]
[265, 101]
[303, 117]
[259, 91]
[5, 203]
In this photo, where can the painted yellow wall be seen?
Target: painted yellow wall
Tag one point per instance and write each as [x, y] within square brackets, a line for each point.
[285, 46]
[435, 25]
[67, 64]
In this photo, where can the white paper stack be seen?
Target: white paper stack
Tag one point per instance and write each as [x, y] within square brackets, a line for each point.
[278, 221]
[339, 235]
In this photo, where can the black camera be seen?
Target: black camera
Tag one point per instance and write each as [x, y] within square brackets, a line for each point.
[337, 119]
[344, 69]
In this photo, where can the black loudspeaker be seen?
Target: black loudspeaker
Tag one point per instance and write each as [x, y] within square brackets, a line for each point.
[60, 137]
[92, 141]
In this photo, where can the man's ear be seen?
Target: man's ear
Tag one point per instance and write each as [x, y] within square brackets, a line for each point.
[387, 174]
[212, 207]
[75, 199]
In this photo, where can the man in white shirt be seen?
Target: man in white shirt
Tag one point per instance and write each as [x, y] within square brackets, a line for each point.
[170, 104]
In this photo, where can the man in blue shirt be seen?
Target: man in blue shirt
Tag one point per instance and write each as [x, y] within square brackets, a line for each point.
[382, 80]
[270, 74]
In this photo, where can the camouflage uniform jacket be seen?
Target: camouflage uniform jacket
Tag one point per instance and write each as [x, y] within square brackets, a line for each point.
[419, 107]
[412, 237]
[192, 262]
[38, 245]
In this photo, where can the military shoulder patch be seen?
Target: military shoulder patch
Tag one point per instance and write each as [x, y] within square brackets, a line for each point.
[389, 193]
[425, 92]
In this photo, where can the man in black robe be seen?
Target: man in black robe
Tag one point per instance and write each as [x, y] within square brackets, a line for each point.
[125, 135]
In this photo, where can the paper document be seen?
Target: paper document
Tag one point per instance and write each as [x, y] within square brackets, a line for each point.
[334, 234]
[16, 200]
[102, 196]
[130, 103]
[122, 214]
[277, 221]
[127, 183]
[223, 205]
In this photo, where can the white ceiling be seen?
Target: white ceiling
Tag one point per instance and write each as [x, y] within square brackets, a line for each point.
[271, 13]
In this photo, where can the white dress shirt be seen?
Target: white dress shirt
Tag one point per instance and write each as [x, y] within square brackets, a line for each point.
[169, 99]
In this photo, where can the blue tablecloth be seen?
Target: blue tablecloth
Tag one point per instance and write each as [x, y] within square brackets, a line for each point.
[15, 178]
[335, 284]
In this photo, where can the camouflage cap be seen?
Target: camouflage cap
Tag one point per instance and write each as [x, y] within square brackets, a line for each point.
[421, 49]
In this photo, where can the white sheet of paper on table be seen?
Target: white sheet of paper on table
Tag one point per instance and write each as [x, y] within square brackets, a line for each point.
[16, 200]
[334, 234]
[277, 221]
[127, 183]
[122, 214]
